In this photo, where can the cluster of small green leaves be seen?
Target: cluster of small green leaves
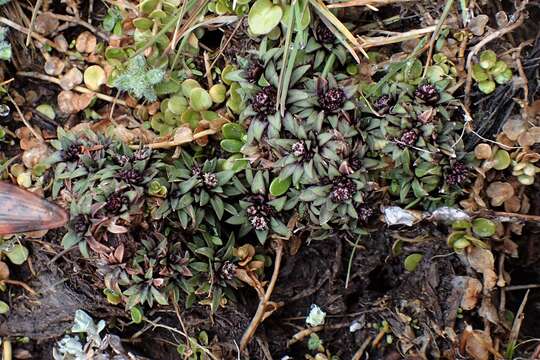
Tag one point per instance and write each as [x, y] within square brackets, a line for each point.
[138, 79]
[162, 227]
[414, 131]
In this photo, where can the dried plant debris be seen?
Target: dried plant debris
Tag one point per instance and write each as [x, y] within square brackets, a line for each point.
[255, 179]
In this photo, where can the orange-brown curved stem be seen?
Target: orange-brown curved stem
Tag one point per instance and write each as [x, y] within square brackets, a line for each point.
[23, 211]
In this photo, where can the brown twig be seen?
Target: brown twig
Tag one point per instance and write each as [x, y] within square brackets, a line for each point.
[173, 143]
[262, 310]
[518, 320]
[368, 3]
[25, 122]
[19, 283]
[221, 49]
[302, 334]
[36, 36]
[80, 89]
[363, 347]
[32, 21]
[369, 42]
[494, 35]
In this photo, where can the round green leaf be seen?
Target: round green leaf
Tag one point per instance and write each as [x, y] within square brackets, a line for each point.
[199, 99]
[231, 145]
[233, 131]
[4, 308]
[177, 104]
[488, 58]
[478, 73]
[263, 17]
[188, 85]
[46, 110]
[499, 68]
[502, 160]
[136, 315]
[280, 186]
[487, 87]
[504, 77]
[148, 6]
[17, 254]
[483, 227]
[411, 262]
[217, 93]
[461, 244]
[143, 23]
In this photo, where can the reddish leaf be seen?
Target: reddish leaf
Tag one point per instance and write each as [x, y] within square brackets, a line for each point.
[23, 211]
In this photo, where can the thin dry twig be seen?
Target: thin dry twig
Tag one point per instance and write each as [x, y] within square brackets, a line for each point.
[25, 122]
[19, 283]
[80, 89]
[374, 41]
[368, 3]
[302, 334]
[32, 21]
[36, 36]
[264, 303]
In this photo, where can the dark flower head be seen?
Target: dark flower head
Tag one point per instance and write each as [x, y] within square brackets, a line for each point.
[80, 224]
[427, 93]
[72, 152]
[131, 176]
[298, 149]
[332, 100]
[365, 213]
[343, 189]
[259, 223]
[122, 160]
[264, 102]
[142, 154]
[254, 71]
[408, 138]
[383, 104]
[323, 34]
[227, 271]
[115, 202]
[196, 170]
[210, 180]
[457, 175]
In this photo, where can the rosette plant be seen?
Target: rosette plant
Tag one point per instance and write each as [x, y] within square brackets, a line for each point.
[310, 155]
[325, 46]
[258, 79]
[323, 100]
[158, 267]
[104, 183]
[260, 211]
[418, 137]
[333, 204]
[199, 192]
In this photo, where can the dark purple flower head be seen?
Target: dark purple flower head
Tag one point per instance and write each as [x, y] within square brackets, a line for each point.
[264, 102]
[457, 175]
[332, 100]
[343, 189]
[428, 94]
[383, 104]
[408, 138]
[72, 152]
[323, 34]
[210, 180]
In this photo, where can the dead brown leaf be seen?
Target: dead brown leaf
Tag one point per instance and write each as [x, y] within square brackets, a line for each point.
[499, 192]
[86, 42]
[482, 261]
[45, 23]
[71, 79]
